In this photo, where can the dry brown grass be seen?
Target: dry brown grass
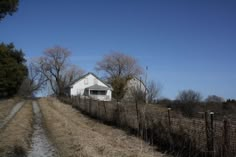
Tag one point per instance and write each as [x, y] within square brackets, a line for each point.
[6, 106]
[168, 129]
[76, 135]
[16, 136]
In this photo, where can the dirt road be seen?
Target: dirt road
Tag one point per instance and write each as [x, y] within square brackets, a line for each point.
[76, 135]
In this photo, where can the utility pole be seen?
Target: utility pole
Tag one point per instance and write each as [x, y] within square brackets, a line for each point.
[146, 92]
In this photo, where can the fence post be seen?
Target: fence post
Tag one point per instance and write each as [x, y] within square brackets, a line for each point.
[98, 110]
[72, 101]
[118, 113]
[212, 134]
[105, 111]
[206, 129]
[85, 106]
[137, 114]
[226, 139]
[169, 122]
[90, 112]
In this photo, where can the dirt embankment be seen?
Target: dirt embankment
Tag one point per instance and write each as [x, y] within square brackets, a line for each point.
[16, 136]
[76, 135]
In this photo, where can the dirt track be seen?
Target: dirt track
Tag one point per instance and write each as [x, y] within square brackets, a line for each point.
[76, 135]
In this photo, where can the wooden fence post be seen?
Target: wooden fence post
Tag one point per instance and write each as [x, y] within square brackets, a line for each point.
[105, 111]
[226, 139]
[207, 131]
[72, 101]
[138, 114]
[212, 133]
[169, 122]
[85, 106]
[98, 110]
[118, 113]
[90, 111]
[76, 99]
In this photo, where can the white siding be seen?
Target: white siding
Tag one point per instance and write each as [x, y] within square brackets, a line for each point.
[79, 87]
[136, 84]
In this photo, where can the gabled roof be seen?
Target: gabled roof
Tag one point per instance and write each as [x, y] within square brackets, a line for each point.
[89, 73]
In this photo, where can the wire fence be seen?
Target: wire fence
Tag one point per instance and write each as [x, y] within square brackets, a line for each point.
[181, 136]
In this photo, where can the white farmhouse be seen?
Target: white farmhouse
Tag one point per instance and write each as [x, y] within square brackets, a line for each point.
[90, 85]
[137, 85]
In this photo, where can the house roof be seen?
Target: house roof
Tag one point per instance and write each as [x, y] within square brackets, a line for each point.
[80, 78]
[140, 80]
[97, 87]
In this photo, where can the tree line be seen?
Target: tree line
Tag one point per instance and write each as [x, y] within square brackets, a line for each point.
[54, 70]
[191, 104]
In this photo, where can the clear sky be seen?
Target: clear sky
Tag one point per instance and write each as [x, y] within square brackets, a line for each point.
[187, 44]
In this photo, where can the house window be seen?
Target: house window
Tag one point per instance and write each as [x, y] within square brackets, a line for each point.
[95, 92]
[86, 81]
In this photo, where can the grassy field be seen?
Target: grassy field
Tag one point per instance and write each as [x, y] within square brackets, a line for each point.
[165, 128]
[76, 135]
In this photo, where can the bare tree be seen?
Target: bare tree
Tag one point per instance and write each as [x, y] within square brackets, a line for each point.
[153, 91]
[189, 96]
[188, 99]
[34, 82]
[214, 99]
[118, 64]
[56, 69]
[138, 94]
[118, 69]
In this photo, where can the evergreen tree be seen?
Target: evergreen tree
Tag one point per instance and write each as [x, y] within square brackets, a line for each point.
[8, 7]
[12, 69]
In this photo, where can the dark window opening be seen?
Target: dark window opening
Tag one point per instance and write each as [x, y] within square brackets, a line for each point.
[95, 92]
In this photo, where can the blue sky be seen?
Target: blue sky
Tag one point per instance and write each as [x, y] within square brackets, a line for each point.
[187, 44]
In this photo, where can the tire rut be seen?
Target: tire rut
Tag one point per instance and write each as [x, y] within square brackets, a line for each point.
[11, 115]
[41, 146]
